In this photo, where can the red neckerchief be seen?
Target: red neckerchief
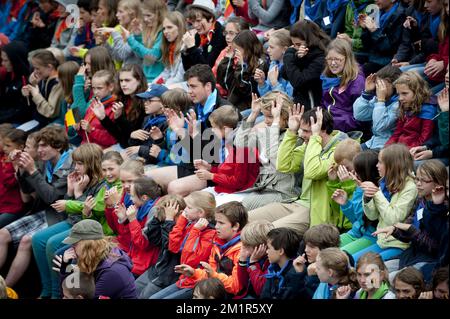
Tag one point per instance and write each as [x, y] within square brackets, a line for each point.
[205, 39]
[172, 48]
[61, 28]
[108, 105]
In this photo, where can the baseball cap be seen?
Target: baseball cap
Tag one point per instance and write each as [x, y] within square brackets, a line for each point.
[155, 90]
[84, 230]
[206, 5]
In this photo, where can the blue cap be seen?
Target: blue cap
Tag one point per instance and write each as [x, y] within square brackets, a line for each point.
[155, 90]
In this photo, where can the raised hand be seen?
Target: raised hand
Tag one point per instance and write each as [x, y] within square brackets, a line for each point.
[88, 205]
[98, 108]
[131, 212]
[171, 209]
[443, 100]
[332, 172]
[59, 205]
[273, 76]
[184, 269]
[369, 188]
[120, 212]
[259, 77]
[204, 175]
[343, 173]
[155, 133]
[256, 108]
[438, 195]
[343, 292]
[26, 162]
[299, 263]
[302, 51]
[316, 125]
[81, 184]
[188, 39]
[191, 120]
[112, 197]
[295, 117]
[381, 90]
[155, 150]
[258, 253]
[202, 164]
[209, 270]
[117, 109]
[132, 150]
[86, 126]
[340, 197]
[201, 224]
[141, 135]
[386, 230]
[276, 109]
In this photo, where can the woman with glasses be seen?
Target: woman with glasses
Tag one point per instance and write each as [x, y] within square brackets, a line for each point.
[342, 84]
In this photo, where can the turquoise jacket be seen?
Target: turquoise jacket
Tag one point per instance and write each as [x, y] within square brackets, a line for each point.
[152, 64]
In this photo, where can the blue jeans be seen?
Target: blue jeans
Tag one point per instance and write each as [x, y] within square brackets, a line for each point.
[45, 243]
[173, 292]
[386, 253]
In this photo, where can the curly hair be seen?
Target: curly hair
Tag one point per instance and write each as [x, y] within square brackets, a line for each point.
[91, 252]
[418, 86]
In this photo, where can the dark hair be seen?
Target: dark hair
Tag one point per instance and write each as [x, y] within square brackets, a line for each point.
[311, 33]
[235, 212]
[211, 288]
[440, 276]
[18, 56]
[194, 12]
[136, 108]
[17, 136]
[413, 277]
[389, 73]
[147, 186]
[286, 239]
[93, 6]
[253, 48]
[226, 115]
[203, 73]
[365, 164]
[322, 236]
[100, 60]
[112, 10]
[113, 156]
[85, 4]
[55, 136]
[86, 287]
[327, 122]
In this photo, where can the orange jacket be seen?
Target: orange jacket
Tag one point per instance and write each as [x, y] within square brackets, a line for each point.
[225, 265]
[195, 246]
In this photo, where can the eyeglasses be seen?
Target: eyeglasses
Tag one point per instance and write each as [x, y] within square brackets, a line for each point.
[225, 33]
[337, 60]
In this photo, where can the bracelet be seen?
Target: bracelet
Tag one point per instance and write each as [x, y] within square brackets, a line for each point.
[242, 263]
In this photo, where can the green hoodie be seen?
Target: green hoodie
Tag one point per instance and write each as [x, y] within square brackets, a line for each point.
[98, 212]
[314, 161]
[353, 31]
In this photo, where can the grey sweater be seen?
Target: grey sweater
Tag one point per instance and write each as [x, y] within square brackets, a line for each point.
[276, 15]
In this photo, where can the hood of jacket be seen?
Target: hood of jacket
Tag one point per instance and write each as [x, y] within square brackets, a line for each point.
[18, 55]
[116, 256]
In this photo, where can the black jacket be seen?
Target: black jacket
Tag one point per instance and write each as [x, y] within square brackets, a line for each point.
[304, 75]
[207, 54]
[289, 288]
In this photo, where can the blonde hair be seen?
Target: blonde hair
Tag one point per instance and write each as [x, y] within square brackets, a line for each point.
[372, 258]
[92, 252]
[177, 19]
[135, 167]
[91, 156]
[337, 260]
[347, 149]
[255, 233]
[418, 86]
[160, 213]
[58, 54]
[176, 99]
[159, 9]
[66, 76]
[203, 201]
[399, 166]
[105, 75]
[132, 7]
[351, 68]
[268, 98]
[282, 37]
[226, 115]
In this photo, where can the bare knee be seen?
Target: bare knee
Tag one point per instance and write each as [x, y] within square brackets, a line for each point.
[5, 236]
[25, 243]
[176, 188]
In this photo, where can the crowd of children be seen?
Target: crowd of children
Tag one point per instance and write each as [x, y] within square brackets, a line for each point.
[243, 149]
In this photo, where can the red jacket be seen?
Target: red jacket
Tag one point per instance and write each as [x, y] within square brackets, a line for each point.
[243, 12]
[197, 246]
[414, 130]
[11, 201]
[225, 266]
[252, 276]
[238, 172]
[442, 55]
[99, 134]
[143, 254]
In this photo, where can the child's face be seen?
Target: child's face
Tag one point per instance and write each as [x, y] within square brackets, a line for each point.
[148, 18]
[347, 164]
[87, 64]
[275, 51]
[224, 229]
[231, 32]
[405, 95]
[305, 131]
[380, 165]
[323, 273]
[404, 290]
[46, 152]
[85, 17]
[41, 71]
[170, 30]
[297, 42]
[365, 275]
[128, 83]
[100, 88]
[218, 131]
[202, 25]
[192, 213]
[311, 252]
[46, 5]
[433, 6]
[389, 87]
[127, 179]
[268, 118]
[123, 16]
[153, 106]
[102, 11]
[274, 255]
[137, 201]
[6, 62]
[61, 10]
[336, 62]
[80, 168]
[31, 148]
[425, 184]
[9, 146]
[111, 171]
[441, 290]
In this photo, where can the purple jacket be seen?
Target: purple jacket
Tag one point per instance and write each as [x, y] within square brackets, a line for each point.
[113, 277]
[341, 105]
